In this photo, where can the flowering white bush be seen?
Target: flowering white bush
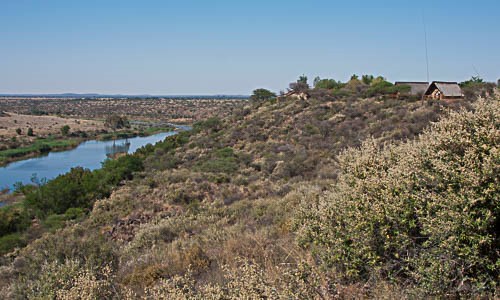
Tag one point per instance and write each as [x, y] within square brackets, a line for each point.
[424, 213]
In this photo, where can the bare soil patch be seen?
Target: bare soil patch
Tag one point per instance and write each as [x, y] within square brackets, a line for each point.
[43, 125]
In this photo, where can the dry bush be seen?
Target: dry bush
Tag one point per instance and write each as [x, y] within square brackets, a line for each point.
[67, 280]
[423, 213]
[246, 281]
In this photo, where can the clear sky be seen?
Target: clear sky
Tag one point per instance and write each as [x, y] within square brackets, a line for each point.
[232, 47]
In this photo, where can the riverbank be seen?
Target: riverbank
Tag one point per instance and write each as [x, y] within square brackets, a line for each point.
[29, 215]
[42, 146]
[88, 155]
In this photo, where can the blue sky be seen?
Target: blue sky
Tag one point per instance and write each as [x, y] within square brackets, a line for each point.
[232, 47]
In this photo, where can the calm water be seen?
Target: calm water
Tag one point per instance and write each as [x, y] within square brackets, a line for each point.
[89, 155]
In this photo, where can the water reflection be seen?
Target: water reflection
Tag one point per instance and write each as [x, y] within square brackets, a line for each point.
[117, 149]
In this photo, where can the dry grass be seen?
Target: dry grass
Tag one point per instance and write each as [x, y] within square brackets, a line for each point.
[43, 125]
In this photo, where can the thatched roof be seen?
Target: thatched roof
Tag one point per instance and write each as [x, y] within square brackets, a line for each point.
[417, 88]
[296, 94]
[449, 89]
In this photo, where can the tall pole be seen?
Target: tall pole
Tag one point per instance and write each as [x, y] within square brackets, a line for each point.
[426, 48]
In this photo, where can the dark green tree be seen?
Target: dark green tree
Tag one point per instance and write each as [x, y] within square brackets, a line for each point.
[116, 122]
[262, 95]
[475, 80]
[329, 84]
[301, 85]
[302, 79]
[476, 87]
[65, 130]
[367, 79]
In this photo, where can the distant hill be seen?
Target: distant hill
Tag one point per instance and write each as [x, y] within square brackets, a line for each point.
[95, 95]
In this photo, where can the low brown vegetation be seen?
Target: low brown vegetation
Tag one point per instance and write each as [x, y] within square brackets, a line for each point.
[252, 206]
[162, 109]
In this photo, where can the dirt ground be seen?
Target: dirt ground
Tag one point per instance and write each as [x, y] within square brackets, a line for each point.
[43, 125]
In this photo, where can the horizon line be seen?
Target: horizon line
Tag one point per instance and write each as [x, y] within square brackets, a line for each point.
[116, 95]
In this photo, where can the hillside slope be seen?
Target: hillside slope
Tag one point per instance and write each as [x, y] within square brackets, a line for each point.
[217, 210]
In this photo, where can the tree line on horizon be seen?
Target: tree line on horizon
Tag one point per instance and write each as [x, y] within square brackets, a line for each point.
[368, 86]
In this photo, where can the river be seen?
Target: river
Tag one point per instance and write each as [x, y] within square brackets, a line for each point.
[89, 154]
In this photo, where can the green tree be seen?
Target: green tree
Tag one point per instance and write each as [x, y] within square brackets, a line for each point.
[367, 79]
[302, 79]
[301, 85]
[316, 80]
[65, 130]
[116, 122]
[30, 131]
[329, 84]
[473, 81]
[476, 87]
[262, 95]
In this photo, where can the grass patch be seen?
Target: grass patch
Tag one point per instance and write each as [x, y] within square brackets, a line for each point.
[155, 130]
[39, 146]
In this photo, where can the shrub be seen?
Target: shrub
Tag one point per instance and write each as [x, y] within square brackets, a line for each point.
[11, 241]
[74, 213]
[54, 222]
[476, 87]
[220, 161]
[211, 124]
[13, 218]
[68, 280]
[80, 187]
[246, 281]
[382, 87]
[425, 212]
[65, 191]
[65, 130]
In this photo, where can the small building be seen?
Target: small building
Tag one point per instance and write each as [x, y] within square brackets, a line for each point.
[417, 88]
[294, 95]
[444, 90]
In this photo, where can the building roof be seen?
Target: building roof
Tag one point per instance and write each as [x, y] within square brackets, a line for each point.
[416, 86]
[449, 89]
[300, 95]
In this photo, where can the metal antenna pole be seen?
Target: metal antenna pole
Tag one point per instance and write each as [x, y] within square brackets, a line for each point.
[475, 70]
[426, 48]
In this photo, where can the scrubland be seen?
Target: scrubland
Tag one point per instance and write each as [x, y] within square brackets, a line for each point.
[340, 195]
[182, 110]
[33, 126]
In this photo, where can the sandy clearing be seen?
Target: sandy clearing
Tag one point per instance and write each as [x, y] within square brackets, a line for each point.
[43, 125]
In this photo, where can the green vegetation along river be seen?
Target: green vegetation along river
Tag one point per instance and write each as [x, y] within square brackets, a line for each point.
[89, 155]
